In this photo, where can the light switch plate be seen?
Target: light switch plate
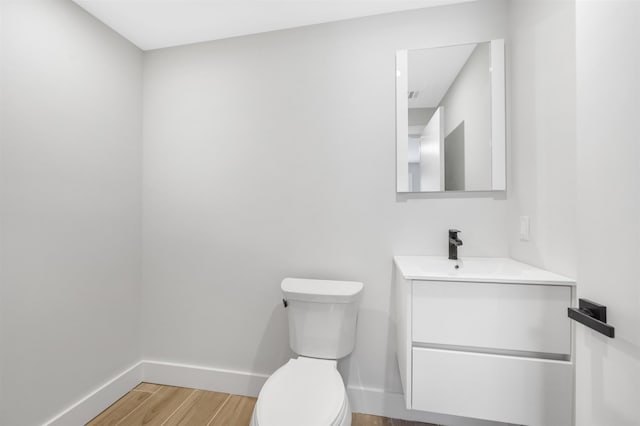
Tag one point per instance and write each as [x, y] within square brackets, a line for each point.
[525, 228]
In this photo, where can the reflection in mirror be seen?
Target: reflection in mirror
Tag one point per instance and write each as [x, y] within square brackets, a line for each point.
[450, 118]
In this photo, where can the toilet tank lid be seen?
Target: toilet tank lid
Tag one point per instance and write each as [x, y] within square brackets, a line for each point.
[321, 291]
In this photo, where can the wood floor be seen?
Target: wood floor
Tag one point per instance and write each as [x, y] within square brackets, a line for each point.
[160, 405]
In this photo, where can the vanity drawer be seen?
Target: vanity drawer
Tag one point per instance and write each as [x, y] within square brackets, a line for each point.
[525, 391]
[504, 317]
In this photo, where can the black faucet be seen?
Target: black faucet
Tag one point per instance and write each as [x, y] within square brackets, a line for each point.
[454, 242]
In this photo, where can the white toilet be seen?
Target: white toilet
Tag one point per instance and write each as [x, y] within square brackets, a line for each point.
[308, 390]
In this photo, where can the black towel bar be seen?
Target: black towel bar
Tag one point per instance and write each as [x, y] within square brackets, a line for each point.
[593, 315]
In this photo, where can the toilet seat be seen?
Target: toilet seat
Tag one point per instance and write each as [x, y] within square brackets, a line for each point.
[304, 391]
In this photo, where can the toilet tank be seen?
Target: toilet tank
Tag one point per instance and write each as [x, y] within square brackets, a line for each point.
[322, 316]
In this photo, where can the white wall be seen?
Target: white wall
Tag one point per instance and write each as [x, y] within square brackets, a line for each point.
[71, 207]
[273, 155]
[608, 93]
[419, 116]
[469, 100]
[541, 116]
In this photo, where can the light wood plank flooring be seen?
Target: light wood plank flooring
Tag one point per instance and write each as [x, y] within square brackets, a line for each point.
[158, 405]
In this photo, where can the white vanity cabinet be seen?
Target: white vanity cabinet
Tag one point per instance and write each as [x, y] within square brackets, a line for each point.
[489, 340]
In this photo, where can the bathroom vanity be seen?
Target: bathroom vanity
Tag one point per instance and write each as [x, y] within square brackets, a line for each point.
[489, 339]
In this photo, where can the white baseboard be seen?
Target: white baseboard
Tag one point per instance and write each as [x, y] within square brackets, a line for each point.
[200, 377]
[362, 400]
[99, 399]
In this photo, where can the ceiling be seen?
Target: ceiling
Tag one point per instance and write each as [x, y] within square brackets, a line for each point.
[153, 24]
[432, 71]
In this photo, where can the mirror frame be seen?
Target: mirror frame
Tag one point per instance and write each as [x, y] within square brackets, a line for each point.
[498, 118]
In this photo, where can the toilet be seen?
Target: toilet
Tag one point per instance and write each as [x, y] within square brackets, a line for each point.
[308, 390]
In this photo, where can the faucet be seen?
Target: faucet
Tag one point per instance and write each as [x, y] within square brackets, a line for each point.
[454, 242]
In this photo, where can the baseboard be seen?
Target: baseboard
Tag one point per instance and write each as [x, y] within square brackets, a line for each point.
[362, 400]
[200, 377]
[99, 399]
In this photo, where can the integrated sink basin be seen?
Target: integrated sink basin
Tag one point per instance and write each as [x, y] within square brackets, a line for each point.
[475, 269]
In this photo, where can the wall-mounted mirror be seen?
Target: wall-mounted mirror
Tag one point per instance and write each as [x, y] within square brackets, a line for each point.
[450, 118]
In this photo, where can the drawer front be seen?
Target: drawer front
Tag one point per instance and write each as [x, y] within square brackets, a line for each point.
[507, 317]
[524, 391]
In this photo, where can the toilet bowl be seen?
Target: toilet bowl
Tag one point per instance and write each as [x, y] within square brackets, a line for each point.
[308, 390]
[303, 392]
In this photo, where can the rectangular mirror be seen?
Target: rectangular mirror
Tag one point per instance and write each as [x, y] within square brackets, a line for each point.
[450, 118]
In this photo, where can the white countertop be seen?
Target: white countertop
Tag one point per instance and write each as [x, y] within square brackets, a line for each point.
[476, 269]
